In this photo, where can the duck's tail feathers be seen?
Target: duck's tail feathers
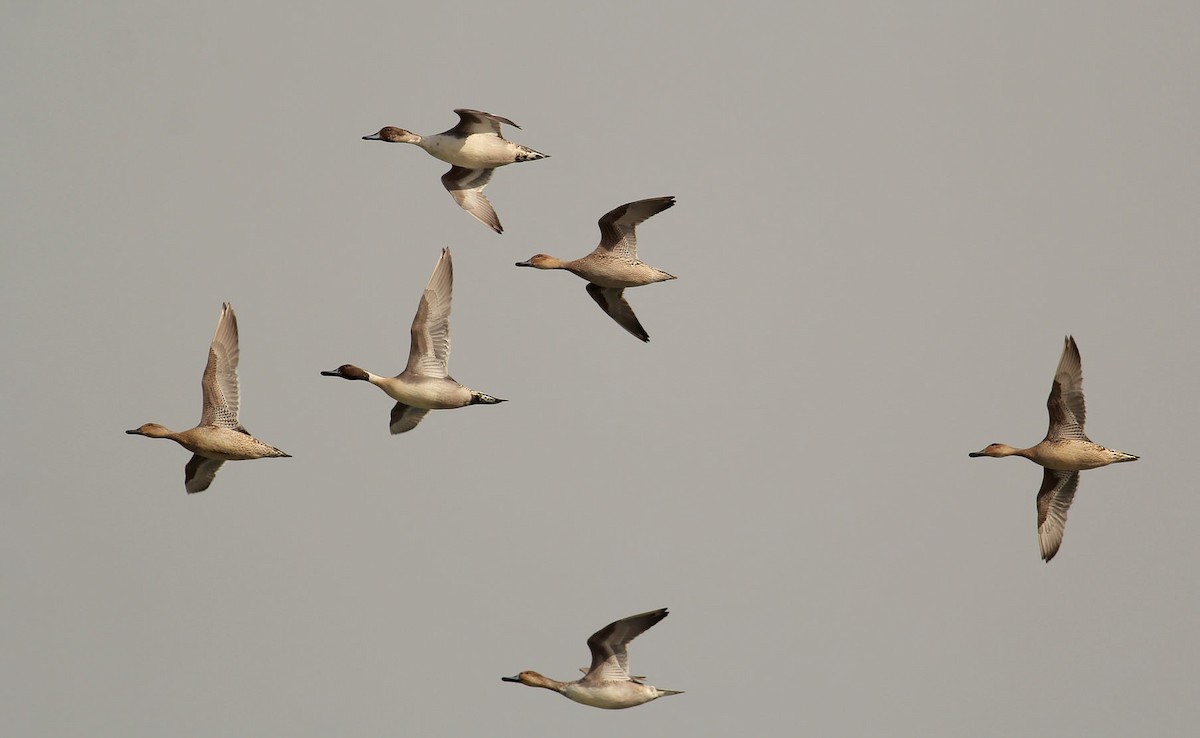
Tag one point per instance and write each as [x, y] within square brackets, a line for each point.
[524, 153]
[478, 398]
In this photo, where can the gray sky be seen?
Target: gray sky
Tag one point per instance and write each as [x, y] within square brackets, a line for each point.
[888, 219]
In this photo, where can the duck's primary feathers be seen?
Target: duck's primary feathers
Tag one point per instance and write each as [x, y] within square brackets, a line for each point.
[425, 384]
[614, 264]
[1064, 452]
[607, 683]
[219, 437]
[474, 148]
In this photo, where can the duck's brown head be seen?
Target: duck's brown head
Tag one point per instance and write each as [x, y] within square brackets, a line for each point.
[347, 371]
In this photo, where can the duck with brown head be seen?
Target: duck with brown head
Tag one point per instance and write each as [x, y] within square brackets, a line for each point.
[219, 437]
[614, 264]
[1063, 453]
[474, 148]
[425, 384]
[607, 683]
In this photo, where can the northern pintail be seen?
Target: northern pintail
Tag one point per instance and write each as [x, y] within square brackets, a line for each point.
[424, 384]
[1064, 452]
[614, 264]
[219, 437]
[607, 682]
[474, 148]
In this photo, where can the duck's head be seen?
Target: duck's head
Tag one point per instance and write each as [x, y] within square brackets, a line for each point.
[347, 371]
[541, 261]
[152, 430]
[529, 678]
[391, 134]
[996, 450]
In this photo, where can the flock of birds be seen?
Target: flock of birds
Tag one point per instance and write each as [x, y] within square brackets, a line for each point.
[474, 148]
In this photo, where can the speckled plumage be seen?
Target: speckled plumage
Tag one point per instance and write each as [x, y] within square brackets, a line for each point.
[219, 437]
[1064, 452]
[614, 264]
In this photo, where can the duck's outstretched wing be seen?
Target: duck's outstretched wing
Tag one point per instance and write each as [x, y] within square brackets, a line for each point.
[617, 227]
[609, 646]
[429, 336]
[466, 187]
[1053, 501]
[476, 121]
[612, 301]
[220, 380]
[1065, 403]
[199, 473]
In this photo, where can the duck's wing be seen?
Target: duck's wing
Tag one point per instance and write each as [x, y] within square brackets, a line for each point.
[466, 187]
[1065, 403]
[220, 380]
[199, 473]
[1053, 501]
[612, 301]
[429, 346]
[617, 236]
[609, 646]
[476, 121]
[406, 417]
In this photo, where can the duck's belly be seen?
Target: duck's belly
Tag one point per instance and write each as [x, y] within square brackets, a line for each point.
[618, 274]
[435, 394]
[1073, 457]
[612, 696]
[225, 445]
[472, 152]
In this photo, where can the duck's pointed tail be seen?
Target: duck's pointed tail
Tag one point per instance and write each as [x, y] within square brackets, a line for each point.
[668, 692]
[524, 153]
[478, 398]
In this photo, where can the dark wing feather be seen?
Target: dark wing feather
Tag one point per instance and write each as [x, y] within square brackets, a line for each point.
[617, 226]
[609, 645]
[476, 121]
[612, 301]
[199, 473]
[406, 417]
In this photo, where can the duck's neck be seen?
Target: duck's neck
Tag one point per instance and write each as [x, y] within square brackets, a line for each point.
[534, 679]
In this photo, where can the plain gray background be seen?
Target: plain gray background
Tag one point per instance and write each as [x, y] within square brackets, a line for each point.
[889, 216]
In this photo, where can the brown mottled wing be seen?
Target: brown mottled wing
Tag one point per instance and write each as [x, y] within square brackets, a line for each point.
[199, 473]
[612, 301]
[406, 417]
[609, 645]
[617, 236]
[476, 121]
[466, 187]
[429, 344]
[1053, 501]
[220, 380]
[1065, 403]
